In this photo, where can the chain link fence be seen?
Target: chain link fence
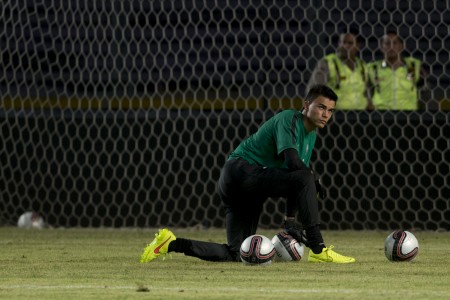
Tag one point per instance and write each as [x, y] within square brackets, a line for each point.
[121, 113]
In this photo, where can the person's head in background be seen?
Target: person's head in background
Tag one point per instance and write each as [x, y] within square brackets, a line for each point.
[392, 47]
[348, 45]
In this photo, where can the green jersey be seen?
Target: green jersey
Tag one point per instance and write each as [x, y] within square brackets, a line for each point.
[283, 131]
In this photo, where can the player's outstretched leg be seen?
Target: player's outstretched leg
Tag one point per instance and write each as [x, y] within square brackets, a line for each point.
[329, 255]
[158, 246]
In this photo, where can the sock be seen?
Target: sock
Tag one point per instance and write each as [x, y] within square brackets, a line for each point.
[315, 239]
[180, 245]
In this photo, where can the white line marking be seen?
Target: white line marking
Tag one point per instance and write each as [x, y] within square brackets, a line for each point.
[76, 287]
[224, 289]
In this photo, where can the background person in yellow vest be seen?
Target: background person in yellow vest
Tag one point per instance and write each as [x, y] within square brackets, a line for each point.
[394, 82]
[345, 73]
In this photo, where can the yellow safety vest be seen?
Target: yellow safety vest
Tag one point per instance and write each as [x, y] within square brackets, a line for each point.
[395, 89]
[348, 84]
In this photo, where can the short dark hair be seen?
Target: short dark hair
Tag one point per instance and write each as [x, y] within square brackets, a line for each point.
[320, 90]
[350, 29]
[393, 32]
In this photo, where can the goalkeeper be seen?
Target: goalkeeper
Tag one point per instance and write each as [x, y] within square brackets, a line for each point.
[273, 162]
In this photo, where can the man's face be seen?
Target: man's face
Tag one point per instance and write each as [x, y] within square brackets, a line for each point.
[348, 46]
[391, 46]
[319, 111]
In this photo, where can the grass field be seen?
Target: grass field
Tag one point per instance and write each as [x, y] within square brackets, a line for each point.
[104, 264]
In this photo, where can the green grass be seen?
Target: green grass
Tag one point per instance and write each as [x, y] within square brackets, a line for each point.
[103, 264]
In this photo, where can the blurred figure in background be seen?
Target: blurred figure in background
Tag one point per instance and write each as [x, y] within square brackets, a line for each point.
[396, 81]
[345, 73]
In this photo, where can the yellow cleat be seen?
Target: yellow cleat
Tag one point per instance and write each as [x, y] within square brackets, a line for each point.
[160, 245]
[328, 255]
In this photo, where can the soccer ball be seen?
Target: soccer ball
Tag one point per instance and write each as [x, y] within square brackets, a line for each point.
[287, 248]
[31, 219]
[257, 250]
[401, 245]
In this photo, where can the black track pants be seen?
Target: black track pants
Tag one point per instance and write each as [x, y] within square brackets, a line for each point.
[243, 189]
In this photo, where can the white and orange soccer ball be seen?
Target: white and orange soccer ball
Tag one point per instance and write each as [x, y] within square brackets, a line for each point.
[401, 245]
[31, 219]
[257, 250]
[287, 248]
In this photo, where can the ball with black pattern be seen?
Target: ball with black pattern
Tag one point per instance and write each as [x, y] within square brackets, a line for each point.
[287, 248]
[401, 245]
[257, 250]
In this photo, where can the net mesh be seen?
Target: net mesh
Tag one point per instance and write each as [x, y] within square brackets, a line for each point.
[121, 113]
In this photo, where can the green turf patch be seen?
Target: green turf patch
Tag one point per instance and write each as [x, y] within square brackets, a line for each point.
[104, 264]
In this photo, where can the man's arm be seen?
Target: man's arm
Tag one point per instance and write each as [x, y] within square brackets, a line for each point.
[320, 74]
[369, 90]
[293, 161]
[423, 92]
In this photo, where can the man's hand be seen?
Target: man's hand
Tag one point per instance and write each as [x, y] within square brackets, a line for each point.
[295, 230]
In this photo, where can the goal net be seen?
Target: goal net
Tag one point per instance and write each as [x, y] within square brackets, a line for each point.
[121, 113]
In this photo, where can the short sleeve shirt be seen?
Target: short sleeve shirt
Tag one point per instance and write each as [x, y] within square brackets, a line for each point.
[283, 131]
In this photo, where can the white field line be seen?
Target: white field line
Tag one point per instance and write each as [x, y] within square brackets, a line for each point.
[226, 289]
[76, 287]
